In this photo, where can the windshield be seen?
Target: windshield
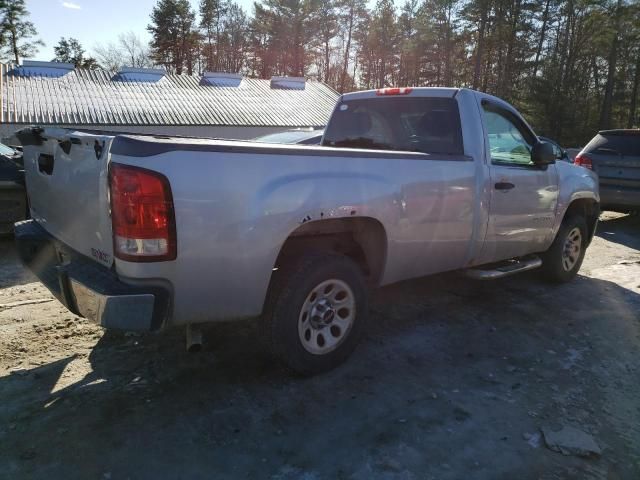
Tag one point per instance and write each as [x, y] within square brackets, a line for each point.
[423, 124]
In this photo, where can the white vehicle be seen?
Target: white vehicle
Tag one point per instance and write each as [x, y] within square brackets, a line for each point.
[144, 232]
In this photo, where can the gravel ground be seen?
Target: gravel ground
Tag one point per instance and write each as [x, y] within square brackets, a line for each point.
[455, 379]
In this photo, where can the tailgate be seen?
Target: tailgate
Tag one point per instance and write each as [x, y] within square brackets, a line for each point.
[618, 170]
[66, 176]
[616, 157]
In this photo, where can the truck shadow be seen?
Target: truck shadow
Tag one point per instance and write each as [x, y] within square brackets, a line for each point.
[12, 272]
[442, 354]
[624, 230]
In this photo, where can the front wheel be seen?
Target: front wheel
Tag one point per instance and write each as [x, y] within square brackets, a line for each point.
[563, 259]
[316, 313]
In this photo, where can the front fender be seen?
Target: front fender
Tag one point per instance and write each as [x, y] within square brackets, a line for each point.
[575, 183]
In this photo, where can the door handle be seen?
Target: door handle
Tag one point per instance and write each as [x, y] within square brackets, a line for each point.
[504, 186]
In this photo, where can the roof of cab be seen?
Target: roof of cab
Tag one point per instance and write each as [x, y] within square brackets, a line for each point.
[445, 92]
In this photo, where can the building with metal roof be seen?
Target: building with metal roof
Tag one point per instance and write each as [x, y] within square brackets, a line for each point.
[152, 101]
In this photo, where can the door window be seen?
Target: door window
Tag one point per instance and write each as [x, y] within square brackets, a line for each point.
[510, 142]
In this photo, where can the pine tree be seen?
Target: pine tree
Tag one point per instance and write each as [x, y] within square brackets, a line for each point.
[212, 13]
[234, 39]
[352, 14]
[326, 17]
[71, 51]
[379, 45]
[175, 41]
[16, 31]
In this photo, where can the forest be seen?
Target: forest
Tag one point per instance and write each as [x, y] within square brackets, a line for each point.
[571, 66]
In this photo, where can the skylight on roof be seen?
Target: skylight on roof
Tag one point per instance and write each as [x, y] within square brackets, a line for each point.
[221, 79]
[127, 74]
[288, 83]
[34, 68]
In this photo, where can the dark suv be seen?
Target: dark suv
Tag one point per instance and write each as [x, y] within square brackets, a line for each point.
[615, 156]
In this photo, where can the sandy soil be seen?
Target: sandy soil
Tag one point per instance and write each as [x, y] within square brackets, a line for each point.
[454, 380]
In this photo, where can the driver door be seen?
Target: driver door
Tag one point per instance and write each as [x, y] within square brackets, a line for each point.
[523, 196]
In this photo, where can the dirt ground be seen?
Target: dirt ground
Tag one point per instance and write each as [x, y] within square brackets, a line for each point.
[454, 380]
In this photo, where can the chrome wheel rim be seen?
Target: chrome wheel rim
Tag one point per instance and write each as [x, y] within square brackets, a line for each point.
[326, 317]
[572, 248]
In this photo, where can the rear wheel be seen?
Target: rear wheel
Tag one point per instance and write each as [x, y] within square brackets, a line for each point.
[564, 258]
[316, 313]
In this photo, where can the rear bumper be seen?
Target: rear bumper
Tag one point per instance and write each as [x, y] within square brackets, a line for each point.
[86, 288]
[619, 197]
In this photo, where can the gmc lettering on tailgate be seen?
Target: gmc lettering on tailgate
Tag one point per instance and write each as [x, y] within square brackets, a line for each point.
[100, 255]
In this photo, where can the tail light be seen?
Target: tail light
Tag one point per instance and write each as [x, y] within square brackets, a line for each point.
[144, 225]
[583, 161]
[394, 91]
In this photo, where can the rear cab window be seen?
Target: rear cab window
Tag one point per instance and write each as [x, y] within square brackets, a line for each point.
[412, 124]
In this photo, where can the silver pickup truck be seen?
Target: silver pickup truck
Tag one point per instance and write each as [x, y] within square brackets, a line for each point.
[149, 232]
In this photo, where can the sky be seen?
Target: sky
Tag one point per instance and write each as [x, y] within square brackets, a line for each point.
[92, 21]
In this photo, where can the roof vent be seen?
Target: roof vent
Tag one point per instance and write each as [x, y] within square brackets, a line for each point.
[33, 68]
[127, 74]
[221, 79]
[288, 83]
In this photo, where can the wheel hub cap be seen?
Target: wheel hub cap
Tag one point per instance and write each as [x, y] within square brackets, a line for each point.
[572, 249]
[326, 317]
[322, 314]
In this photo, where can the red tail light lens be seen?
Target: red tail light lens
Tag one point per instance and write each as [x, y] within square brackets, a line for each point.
[142, 216]
[394, 91]
[583, 161]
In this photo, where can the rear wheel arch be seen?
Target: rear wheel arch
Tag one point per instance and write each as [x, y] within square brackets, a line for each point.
[363, 239]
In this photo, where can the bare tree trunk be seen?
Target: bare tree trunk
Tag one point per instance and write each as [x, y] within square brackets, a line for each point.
[487, 69]
[210, 65]
[607, 103]
[632, 121]
[347, 47]
[447, 49]
[543, 31]
[480, 46]
[217, 62]
[326, 59]
[507, 80]
[14, 45]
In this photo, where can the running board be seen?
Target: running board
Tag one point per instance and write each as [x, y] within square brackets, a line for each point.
[503, 269]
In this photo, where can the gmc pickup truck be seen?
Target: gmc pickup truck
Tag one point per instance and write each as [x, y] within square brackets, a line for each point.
[149, 232]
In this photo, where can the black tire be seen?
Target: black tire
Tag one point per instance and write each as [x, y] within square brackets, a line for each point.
[288, 293]
[553, 268]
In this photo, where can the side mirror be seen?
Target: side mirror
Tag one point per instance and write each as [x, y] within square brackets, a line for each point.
[542, 154]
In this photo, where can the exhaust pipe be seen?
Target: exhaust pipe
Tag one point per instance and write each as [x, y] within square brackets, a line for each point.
[194, 338]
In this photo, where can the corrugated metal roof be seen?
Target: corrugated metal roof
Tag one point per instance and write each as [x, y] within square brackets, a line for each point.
[97, 97]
